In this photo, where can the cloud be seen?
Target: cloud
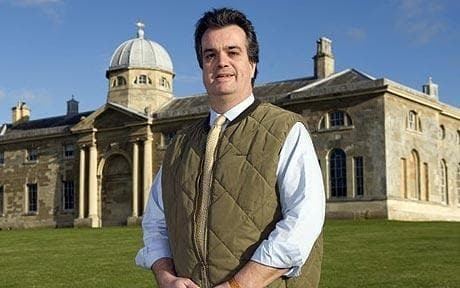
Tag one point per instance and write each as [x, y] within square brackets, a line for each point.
[31, 97]
[52, 9]
[356, 34]
[420, 20]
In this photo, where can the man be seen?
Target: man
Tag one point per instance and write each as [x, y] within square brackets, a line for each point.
[239, 200]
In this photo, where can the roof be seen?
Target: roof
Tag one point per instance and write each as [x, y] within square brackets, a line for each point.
[197, 104]
[141, 53]
[42, 127]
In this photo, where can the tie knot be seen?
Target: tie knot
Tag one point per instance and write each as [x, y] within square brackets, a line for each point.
[220, 120]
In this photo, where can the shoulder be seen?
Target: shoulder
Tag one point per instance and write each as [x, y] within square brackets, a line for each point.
[269, 113]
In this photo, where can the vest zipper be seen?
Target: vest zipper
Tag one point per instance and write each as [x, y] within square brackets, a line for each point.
[201, 221]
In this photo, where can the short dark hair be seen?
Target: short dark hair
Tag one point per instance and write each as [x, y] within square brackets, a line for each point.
[219, 18]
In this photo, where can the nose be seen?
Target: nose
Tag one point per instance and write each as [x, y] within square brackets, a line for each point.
[222, 59]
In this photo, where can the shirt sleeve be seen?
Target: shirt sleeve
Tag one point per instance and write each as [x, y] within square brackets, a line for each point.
[156, 242]
[303, 205]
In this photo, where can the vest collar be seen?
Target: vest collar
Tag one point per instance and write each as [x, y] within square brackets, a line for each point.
[241, 116]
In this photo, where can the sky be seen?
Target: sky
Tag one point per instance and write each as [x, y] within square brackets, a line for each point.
[53, 49]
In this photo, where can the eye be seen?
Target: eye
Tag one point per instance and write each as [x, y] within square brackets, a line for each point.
[209, 56]
[233, 53]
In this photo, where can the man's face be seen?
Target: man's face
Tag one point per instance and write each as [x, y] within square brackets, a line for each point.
[227, 71]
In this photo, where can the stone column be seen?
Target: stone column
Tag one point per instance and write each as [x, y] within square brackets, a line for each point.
[147, 168]
[81, 188]
[135, 179]
[93, 209]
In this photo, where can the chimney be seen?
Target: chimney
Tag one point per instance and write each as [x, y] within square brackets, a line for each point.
[21, 113]
[324, 59]
[431, 89]
[72, 107]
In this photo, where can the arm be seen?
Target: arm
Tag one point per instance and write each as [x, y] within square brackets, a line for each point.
[303, 206]
[156, 254]
[254, 275]
[156, 243]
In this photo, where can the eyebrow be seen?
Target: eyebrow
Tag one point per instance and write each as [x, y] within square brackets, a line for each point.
[233, 47]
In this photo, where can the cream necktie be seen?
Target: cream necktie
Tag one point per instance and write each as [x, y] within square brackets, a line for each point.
[202, 210]
[211, 143]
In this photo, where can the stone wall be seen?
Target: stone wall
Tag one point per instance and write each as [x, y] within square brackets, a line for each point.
[414, 154]
[47, 172]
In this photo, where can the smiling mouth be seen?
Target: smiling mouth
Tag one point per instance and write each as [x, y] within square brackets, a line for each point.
[224, 76]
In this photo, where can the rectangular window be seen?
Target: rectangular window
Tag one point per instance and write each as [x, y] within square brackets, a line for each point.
[2, 157]
[32, 198]
[68, 195]
[1, 200]
[359, 176]
[69, 151]
[32, 154]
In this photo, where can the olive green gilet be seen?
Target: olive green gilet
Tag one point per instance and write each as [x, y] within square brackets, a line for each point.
[243, 206]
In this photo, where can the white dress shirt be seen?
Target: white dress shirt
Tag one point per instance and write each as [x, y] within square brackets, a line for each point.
[302, 205]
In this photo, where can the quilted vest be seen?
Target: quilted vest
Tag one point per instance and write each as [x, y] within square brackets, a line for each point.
[243, 206]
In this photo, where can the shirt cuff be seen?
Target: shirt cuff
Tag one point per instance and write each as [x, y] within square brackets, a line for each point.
[148, 255]
[271, 256]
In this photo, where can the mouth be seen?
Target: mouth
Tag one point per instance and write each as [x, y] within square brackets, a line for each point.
[223, 76]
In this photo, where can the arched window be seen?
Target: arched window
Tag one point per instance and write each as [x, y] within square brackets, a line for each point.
[121, 81]
[338, 173]
[142, 79]
[413, 121]
[443, 182]
[335, 119]
[164, 82]
[414, 176]
[442, 132]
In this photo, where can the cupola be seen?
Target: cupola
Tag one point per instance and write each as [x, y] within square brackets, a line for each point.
[140, 74]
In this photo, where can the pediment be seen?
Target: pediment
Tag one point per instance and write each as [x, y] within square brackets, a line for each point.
[109, 116]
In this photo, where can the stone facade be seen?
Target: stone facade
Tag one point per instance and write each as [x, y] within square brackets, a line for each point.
[49, 172]
[386, 150]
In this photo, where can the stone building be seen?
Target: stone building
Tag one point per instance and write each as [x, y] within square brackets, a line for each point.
[386, 150]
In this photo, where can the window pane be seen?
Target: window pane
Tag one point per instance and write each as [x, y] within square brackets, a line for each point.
[412, 120]
[359, 176]
[33, 197]
[68, 191]
[337, 118]
[68, 150]
[338, 171]
[32, 154]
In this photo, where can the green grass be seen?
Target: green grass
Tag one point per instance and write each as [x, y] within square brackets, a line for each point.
[370, 253]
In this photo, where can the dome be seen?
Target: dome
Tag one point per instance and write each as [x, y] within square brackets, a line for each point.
[141, 53]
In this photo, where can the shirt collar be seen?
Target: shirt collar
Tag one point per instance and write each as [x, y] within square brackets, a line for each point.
[234, 111]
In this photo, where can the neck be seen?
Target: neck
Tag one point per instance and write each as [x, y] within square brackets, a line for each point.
[222, 104]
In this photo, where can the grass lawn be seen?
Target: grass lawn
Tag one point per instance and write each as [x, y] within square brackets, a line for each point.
[371, 253]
